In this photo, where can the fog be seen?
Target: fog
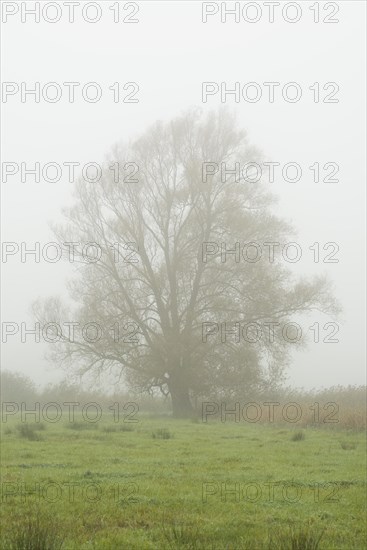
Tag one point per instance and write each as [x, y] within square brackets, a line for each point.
[170, 53]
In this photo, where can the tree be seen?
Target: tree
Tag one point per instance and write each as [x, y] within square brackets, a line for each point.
[17, 387]
[160, 235]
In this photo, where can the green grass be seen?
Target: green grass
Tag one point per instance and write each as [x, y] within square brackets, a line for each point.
[225, 486]
[35, 532]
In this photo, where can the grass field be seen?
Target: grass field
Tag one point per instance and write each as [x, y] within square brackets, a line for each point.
[165, 483]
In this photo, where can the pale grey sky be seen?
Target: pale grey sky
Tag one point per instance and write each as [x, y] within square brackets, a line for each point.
[169, 53]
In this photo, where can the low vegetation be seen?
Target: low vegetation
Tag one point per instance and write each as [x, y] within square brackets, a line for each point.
[162, 483]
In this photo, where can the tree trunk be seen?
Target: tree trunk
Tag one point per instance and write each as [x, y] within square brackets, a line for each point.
[179, 391]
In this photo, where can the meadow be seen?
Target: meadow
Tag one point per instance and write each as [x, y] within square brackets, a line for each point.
[163, 483]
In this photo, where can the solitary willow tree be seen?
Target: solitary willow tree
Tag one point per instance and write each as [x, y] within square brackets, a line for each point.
[164, 287]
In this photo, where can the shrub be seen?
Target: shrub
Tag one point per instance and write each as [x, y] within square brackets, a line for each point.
[162, 433]
[109, 429]
[118, 428]
[28, 431]
[348, 446]
[298, 436]
[82, 426]
[39, 426]
[126, 428]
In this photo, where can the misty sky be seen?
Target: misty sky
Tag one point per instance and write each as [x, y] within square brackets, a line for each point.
[169, 53]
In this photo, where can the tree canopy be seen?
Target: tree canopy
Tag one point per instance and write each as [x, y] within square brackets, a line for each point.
[162, 277]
